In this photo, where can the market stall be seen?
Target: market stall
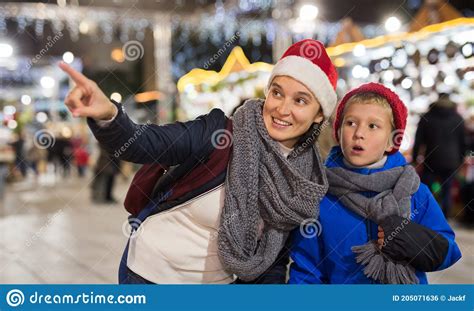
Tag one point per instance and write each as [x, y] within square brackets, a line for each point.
[201, 90]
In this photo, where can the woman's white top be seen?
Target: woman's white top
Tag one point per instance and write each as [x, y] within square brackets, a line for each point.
[180, 245]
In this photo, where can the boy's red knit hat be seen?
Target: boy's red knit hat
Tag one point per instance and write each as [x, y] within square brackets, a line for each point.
[308, 62]
[399, 110]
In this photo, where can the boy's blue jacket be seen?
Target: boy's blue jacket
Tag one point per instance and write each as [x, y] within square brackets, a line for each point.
[327, 257]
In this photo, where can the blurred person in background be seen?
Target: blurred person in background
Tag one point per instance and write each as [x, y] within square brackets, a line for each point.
[66, 155]
[106, 169]
[60, 154]
[33, 156]
[81, 158]
[441, 135]
[467, 189]
[19, 147]
[54, 156]
[470, 131]
[7, 156]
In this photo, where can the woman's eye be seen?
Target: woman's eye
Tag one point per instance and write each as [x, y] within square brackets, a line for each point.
[276, 93]
[350, 123]
[301, 101]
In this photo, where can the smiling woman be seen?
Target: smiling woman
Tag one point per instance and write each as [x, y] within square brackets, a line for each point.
[240, 236]
[289, 110]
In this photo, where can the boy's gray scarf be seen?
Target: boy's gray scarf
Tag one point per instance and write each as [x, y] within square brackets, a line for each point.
[394, 189]
[267, 195]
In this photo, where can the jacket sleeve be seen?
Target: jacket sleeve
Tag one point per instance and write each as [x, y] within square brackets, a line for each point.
[434, 219]
[427, 241]
[306, 254]
[168, 144]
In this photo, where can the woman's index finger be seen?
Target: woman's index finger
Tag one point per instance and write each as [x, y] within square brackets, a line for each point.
[75, 75]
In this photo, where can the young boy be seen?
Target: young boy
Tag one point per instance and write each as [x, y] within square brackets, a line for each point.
[379, 223]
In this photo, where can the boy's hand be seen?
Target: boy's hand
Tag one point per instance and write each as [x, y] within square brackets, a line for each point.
[86, 99]
[381, 237]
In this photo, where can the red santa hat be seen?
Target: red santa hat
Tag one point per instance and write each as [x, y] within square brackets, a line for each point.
[308, 62]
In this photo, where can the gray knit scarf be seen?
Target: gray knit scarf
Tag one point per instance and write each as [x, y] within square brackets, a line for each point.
[267, 195]
[394, 189]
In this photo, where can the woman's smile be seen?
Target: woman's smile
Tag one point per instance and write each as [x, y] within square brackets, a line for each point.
[280, 124]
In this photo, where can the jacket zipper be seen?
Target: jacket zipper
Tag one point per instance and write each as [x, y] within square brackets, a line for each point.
[189, 201]
[367, 226]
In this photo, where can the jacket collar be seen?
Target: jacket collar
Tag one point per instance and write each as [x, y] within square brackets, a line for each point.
[336, 159]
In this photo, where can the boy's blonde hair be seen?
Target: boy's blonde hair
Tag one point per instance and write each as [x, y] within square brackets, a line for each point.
[370, 98]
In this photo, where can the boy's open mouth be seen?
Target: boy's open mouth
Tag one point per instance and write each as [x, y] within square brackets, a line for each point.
[357, 148]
